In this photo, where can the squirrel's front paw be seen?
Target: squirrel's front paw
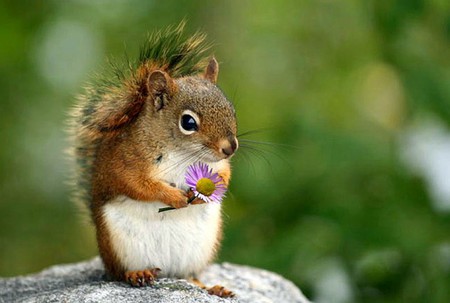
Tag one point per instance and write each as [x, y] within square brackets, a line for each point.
[190, 195]
[175, 197]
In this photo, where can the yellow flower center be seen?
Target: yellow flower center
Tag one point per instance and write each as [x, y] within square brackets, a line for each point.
[205, 186]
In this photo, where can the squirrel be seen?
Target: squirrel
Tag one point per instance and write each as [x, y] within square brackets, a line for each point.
[135, 132]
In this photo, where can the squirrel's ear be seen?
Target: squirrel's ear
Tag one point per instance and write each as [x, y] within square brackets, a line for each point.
[160, 87]
[212, 70]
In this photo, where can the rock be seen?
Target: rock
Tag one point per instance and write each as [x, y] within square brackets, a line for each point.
[84, 282]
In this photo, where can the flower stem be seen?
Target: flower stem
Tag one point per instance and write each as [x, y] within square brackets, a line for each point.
[163, 209]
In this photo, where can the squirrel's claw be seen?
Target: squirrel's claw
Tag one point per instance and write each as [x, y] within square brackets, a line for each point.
[139, 278]
[216, 290]
[220, 291]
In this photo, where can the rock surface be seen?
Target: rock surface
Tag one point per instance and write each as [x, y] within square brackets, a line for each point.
[84, 282]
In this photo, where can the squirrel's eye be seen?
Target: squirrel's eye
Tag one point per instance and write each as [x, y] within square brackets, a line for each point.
[188, 123]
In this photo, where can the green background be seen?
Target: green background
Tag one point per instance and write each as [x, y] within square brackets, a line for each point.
[351, 199]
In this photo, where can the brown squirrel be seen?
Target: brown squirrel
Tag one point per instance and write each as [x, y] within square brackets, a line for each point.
[135, 133]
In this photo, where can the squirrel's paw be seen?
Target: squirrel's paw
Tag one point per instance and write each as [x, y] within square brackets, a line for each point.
[216, 290]
[140, 278]
[175, 197]
[190, 194]
[220, 291]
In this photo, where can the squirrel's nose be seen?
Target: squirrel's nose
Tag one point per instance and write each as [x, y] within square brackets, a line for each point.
[229, 146]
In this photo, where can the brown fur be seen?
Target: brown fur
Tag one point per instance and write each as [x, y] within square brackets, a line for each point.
[128, 128]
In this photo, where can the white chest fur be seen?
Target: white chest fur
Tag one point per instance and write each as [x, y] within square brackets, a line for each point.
[181, 242]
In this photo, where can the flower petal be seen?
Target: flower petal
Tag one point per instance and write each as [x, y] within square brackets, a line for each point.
[200, 170]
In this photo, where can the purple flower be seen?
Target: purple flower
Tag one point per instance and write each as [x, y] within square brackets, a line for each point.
[206, 186]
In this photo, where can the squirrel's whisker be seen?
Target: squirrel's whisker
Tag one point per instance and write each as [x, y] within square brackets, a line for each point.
[263, 150]
[192, 156]
[272, 144]
[253, 131]
[258, 153]
[186, 155]
[243, 154]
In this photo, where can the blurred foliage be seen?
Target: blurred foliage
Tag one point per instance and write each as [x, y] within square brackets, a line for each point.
[332, 84]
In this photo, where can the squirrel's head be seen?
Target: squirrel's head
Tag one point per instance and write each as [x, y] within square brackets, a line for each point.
[191, 113]
[169, 100]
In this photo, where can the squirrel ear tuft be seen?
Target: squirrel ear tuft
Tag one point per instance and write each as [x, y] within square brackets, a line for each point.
[114, 113]
[160, 85]
[212, 70]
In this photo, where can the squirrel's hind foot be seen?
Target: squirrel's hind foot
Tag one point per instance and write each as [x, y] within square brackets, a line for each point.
[216, 290]
[139, 278]
[220, 291]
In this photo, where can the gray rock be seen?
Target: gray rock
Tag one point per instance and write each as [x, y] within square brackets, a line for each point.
[84, 282]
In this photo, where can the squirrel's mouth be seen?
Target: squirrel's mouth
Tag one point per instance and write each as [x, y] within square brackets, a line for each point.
[212, 157]
[223, 149]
